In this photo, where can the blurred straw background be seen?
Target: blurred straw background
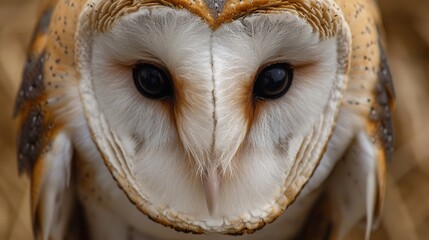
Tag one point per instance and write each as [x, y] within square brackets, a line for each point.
[407, 208]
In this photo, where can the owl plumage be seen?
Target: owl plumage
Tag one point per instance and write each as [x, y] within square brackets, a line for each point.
[213, 157]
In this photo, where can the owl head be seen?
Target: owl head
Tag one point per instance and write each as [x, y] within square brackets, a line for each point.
[212, 115]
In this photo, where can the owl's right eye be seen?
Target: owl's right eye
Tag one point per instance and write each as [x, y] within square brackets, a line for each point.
[152, 82]
[273, 81]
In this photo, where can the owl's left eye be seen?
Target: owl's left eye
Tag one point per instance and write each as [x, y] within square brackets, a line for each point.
[152, 81]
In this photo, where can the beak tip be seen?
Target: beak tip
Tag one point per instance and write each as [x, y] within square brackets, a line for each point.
[211, 187]
[211, 207]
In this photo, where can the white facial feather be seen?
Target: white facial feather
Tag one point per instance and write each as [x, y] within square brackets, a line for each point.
[241, 49]
[166, 147]
[161, 39]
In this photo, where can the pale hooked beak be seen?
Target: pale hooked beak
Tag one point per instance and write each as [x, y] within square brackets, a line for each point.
[211, 182]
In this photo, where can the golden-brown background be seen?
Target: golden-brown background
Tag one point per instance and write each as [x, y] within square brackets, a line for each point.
[407, 207]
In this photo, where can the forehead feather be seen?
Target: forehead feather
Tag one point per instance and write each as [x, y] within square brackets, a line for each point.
[322, 15]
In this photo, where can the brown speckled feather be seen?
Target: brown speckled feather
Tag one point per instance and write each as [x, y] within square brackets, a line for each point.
[50, 67]
[370, 95]
[370, 91]
[39, 96]
[35, 123]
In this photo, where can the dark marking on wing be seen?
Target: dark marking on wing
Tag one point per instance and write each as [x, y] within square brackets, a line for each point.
[42, 26]
[32, 139]
[385, 75]
[32, 86]
[381, 113]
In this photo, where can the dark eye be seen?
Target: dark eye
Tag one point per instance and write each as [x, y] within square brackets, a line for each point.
[152, 82]
[273, 81]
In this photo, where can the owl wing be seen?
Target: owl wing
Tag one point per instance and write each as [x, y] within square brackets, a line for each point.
[44, 150]
[356, 187]
[352, 193]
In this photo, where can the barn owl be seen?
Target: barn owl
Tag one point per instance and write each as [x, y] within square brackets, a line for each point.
[203, 119]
